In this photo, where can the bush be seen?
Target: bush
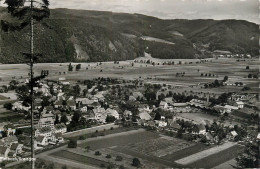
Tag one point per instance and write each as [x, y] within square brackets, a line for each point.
[119, 158]
[108, 156]
[8, 106]
[136, 162]
[97, 153]
[72, 144]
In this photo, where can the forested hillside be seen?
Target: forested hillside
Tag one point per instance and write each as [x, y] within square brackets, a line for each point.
[78, 35]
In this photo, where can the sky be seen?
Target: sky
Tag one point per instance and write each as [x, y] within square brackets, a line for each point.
[171, 9]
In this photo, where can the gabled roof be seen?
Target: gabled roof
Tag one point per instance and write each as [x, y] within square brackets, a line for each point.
[60, 126]
[71, 103]
[45, 130]
[14, 146]
[145, 116]
[3, 149]
[40, 138]
[201, 127]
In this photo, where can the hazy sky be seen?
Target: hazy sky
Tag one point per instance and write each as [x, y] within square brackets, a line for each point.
[171, 9]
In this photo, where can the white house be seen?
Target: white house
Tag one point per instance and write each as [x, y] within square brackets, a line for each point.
[60, 128]
[240, 104]
[100, 114]
[145, 116]
[163, 105]
[42, 140]
[112, 112]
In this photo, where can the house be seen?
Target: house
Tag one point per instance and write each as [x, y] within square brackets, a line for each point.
[180, 104]
[71, 104]
[46, 121]
[8, 141]
[161, 124]
[169, 100]
[83, 109]
[38, 103]
[240, 104]
[132, 98]
[59, 137]
[45, 131]
[127, 114]
[89, 114]
[19, 106]
[145, 116]
[60, 128]
[230, 108]
[202, 129]
[42, 140]
[173, 125]
[144, 108]
[234, 133]
[84, 101]
[163, 105]
[209, 136]
[112, 112]
[138, 95]
[100, 114]
[96, 105]
[16, 148]
[4, 151]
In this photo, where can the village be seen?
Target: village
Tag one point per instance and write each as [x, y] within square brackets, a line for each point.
[61, 108]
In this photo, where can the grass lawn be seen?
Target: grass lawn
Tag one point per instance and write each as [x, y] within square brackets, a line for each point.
[120, 140]
[79, 158]
[218, 158]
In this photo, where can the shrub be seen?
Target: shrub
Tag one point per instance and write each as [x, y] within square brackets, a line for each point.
[72, 144]
[108, 156]
[97, 153]
[136, 162]
[119, 158]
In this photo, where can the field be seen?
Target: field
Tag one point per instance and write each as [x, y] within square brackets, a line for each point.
[192, 81]
[151, 148]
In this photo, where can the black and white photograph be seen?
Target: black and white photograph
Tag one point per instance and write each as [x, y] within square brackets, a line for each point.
[129, 84]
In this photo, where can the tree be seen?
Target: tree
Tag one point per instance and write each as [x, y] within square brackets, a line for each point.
[57, 121]
[136, 162]
[157, 116]
[72, 144]
[225, 79]
[119, 158]
[108, 156]
[8, 106]
[247, 67]
[78, 67]
[27, 14]
[64, 119]
[97, 153]
[76, 117]
[249, 158]
[70, 68]
[64, 167]
[110, 119]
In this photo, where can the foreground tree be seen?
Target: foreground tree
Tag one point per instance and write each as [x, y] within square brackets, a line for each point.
[26, 12]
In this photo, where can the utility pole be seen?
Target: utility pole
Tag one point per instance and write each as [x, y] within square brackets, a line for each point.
[31, 93]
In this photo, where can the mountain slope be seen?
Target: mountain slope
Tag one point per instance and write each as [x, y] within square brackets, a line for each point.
[79, 35]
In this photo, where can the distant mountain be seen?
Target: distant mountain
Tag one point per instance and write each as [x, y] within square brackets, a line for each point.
[79, 35]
